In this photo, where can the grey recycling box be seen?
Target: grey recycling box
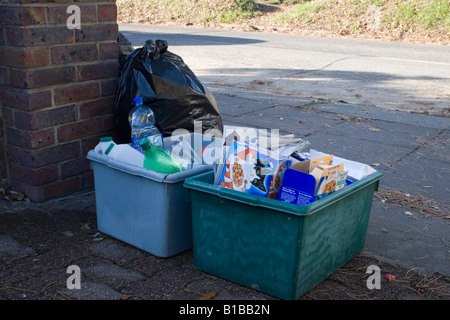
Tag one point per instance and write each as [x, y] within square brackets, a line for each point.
[143, 208]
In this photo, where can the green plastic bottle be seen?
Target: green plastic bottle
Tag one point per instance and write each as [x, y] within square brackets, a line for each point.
[158, 160]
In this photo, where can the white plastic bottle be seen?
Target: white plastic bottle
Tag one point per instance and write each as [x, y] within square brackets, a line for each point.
[105, 144]
[127, 154]
[142, 122]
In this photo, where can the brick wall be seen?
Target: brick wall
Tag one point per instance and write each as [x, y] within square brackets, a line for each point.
[57, 93]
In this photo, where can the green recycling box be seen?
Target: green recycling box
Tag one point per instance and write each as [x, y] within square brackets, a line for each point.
[275, 247]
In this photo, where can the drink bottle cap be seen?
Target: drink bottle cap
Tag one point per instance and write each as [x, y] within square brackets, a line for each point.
[106, 139]
[144, 143]
[137, 100]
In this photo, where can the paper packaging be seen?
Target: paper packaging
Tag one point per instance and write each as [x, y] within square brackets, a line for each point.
[252, 169]
[319, 161]
[297, 187]
[327, 177]
[356, 170]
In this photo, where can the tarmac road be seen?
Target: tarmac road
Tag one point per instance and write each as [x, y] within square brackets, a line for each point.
[334, 92]
[380, 74]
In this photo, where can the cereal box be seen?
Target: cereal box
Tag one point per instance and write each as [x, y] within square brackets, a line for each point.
[252, 169]
[328, 178]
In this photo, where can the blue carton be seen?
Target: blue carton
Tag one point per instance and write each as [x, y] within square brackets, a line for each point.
[297, 187]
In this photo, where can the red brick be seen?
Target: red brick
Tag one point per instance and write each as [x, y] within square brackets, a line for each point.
[97, 32]
[56, 189]
[46, 156]
[109, 87]
[26, 101]
[38, 78]
[76, 92]
[59, 15]
[74, 167]
[62, 188]
[42, 138]
[2, 36]
[77, 130]
[97, 71]
[18, 78]
[33, 57]
[108, 123]
[89, 143]
[34, 176]
[4, 76]
[95, 108]
[22, 16]
[109, 50]
[45, 119]
[38, 36]
[12, 153]
[74, 53]
[8, 116]
[107, 12]
[31, 139]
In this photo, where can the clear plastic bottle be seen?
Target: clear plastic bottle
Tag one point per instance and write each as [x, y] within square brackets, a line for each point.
[142, 122]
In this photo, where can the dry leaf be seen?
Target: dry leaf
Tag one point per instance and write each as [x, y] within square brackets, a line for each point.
[374, 129]
[208, 295]
[125, 297]
[85, 228]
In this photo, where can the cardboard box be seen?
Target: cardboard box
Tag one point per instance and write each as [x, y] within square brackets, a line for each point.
[252, 169]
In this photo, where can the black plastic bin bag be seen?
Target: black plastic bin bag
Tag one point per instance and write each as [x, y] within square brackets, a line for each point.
[177, 97]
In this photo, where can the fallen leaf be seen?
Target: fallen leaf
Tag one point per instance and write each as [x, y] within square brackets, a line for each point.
[374, 129]
[125, 297]
[384, 230]
[208, 295]
[85, 228]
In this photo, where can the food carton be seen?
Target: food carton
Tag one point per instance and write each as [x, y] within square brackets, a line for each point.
[252, 169]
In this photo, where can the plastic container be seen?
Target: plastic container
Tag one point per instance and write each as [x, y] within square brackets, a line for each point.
[127, 154]
[141, 207]
[272, 246]
[159, 160]
[143, 125]
[104, 146]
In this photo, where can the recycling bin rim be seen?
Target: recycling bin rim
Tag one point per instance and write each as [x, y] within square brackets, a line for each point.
[146, 173]
[196, 183]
